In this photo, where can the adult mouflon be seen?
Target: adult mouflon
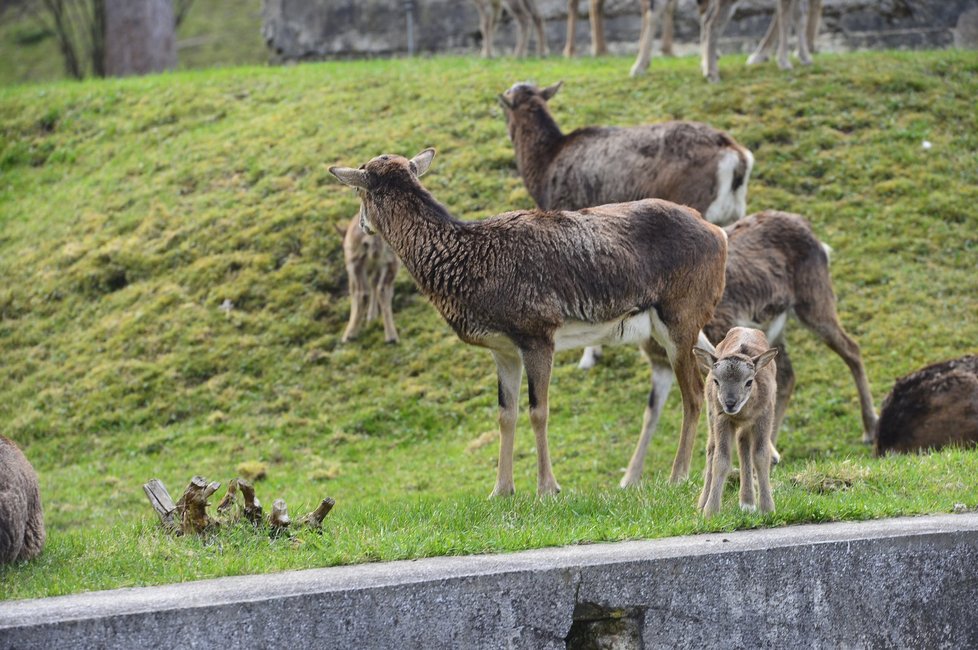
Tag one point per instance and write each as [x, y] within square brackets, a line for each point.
[21, 517]
[688, 163]
[525, 284]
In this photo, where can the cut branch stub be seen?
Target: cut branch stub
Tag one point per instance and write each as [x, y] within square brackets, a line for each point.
[228, 499]
[162, 503]
[252, 507]
[280, 515]
[315, 518]
[193, 505]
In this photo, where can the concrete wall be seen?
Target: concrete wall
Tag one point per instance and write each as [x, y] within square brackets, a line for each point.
[316, 29]
[900, 583]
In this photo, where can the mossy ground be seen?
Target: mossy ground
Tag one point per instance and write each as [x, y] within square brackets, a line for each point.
[131, 210]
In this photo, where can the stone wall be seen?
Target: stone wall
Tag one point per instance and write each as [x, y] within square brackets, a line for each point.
[319, 29]
[896, 583]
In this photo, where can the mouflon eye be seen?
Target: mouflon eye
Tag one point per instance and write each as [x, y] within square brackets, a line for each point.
[749, 382]
[716, 382]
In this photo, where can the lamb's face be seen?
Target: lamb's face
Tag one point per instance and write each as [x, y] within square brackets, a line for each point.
[733, 383]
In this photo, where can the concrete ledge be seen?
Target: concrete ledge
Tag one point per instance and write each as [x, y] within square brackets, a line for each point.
[909, 582]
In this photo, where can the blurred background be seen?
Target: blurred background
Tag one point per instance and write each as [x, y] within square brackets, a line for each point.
[43, 40]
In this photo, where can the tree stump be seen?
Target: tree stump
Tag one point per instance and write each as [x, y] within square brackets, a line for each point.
[192, 506]
[162, 503]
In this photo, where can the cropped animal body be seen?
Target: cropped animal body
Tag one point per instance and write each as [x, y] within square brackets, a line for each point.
[934, 407]
[526, 15]
[21, 517]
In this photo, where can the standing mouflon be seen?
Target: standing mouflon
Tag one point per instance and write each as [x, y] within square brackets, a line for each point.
[740, 394]
[524, 284]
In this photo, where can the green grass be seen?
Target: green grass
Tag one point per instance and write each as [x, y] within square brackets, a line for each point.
[131, 209]
[214, 33]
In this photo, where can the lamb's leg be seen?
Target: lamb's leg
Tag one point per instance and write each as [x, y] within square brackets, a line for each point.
[645, 40]
[723, 441]
[543, 49]
[763, 51]
[712, 24]
[814, 19]
[482, 6]
[538, 358]
[359, 297]
[819, 315]
[661, 383]
[668, 27]
[786, 9]
[589, 358]
[745, 454]
[509, 369]
[569, 44]
[801, 28]
[386, 299]
[515, 9]
[761, 451]
[373, 303]
[596, 17]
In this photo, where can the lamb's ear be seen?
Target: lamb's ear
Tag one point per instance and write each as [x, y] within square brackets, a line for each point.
[764, 358]
[421, 162]
[351, 177]
[550, 91]
[704, 360]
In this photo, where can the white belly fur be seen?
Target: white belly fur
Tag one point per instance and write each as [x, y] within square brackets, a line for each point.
[576, 334]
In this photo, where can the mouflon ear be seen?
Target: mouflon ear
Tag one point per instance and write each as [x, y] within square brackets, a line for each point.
[504, 101]
[351, 177]
[704, 359]
[550, 91]
[764, 358]
[421, 162]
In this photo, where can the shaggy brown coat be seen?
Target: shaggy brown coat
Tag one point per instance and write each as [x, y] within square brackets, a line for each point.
[675, 161]
[935, 407]
[516, 282]
[21, 518]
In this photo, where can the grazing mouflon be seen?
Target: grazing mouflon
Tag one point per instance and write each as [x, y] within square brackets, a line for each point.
[525, 284]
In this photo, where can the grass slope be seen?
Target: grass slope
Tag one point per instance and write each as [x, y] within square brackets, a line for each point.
[130, 210]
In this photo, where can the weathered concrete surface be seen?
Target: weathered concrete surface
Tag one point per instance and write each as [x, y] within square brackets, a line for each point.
[909, 582]
[316, 29]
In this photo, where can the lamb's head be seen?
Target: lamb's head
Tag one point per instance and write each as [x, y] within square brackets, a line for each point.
[380, 174]
[732, 376]
[525, 99]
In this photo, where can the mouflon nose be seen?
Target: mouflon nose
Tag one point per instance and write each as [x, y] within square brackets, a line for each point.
[730, 404]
